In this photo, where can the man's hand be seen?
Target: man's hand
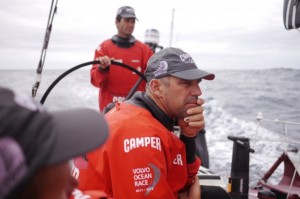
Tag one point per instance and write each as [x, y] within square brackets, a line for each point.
[194, 122]
[105, 61]
[194, 191]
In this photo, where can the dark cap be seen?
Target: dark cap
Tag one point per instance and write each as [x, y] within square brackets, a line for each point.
[126, 12]
[31, 138]
[174, 62]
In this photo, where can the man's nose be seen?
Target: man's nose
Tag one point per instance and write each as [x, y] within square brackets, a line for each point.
[196, 90]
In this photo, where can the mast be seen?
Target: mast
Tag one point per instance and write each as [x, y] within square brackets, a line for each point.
[172, 26]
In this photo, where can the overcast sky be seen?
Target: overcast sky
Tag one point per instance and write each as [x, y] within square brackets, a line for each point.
[219, 34]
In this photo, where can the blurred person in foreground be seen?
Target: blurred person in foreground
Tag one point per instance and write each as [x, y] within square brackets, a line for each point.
[36, 146]
[115, 82]
[143, 158]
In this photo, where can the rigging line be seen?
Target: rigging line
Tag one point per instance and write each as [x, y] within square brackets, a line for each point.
[47, 35]
[285, 137]
[259, 118]
[294, 176]
[38, 78]
[256, 132]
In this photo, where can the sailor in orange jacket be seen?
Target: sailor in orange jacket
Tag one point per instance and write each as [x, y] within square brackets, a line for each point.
[143, 158]
[115, 82]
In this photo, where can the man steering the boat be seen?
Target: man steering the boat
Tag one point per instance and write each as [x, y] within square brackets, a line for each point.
[143, 158]
[114, 83]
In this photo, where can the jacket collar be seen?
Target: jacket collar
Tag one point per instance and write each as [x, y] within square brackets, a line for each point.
[142, 100]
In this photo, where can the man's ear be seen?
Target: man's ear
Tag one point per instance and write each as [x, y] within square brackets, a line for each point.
[117, 23]
[156, 87]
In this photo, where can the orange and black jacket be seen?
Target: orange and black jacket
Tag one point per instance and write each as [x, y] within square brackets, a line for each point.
[142, 157]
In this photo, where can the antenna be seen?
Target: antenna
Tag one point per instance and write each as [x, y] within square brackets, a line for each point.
[172, 24]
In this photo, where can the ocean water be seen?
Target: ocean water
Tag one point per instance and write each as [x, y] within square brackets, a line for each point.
[233, 101]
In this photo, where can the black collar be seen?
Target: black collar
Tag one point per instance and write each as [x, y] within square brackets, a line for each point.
[141, 99]
[123, 42]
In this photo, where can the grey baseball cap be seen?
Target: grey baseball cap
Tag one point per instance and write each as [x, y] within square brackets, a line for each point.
[126, 12]
[31, 138]
[174, 62]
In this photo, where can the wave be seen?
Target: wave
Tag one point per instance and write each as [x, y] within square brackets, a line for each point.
[220, 124]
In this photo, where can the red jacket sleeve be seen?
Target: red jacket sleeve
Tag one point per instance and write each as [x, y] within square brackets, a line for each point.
[192, 171]
[97, 78]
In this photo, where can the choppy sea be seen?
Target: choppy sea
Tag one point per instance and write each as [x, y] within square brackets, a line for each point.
[233, 101]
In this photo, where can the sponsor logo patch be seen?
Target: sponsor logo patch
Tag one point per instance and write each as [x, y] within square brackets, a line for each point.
[162, 69]
[146, 178]
[133, 143]
[186, 58]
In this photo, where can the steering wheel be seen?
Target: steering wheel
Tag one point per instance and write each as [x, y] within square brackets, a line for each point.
[132, 91]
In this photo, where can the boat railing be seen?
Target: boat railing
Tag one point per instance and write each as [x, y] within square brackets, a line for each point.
[296, 163]
[260, 119]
